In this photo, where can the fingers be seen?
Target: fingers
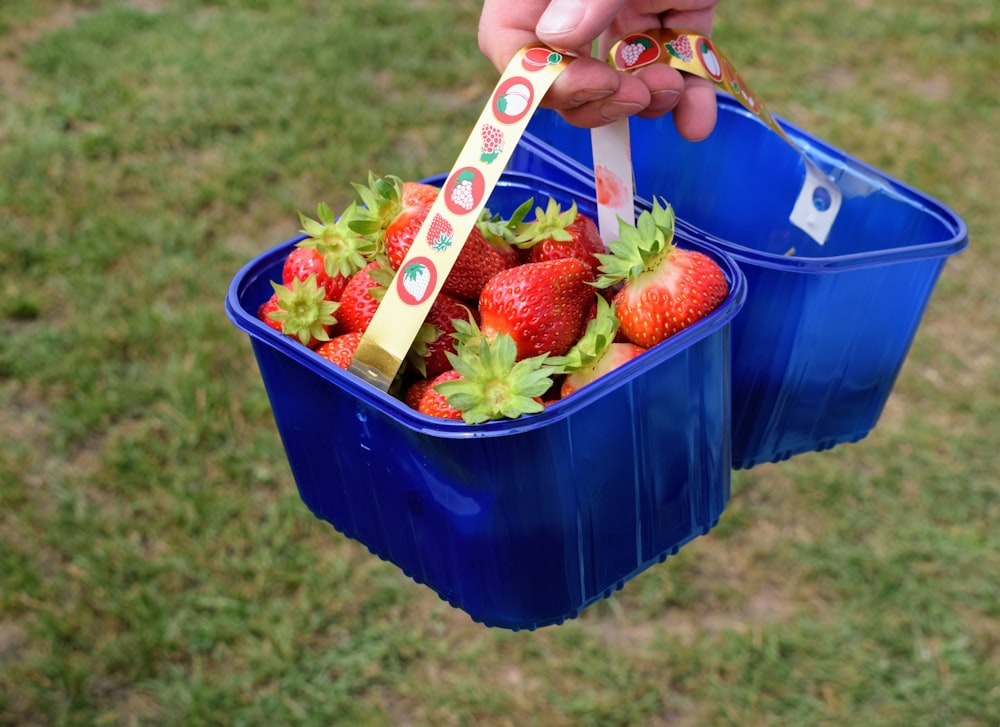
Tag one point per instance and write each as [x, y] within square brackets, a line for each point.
[696, 111]
[572, 25]
[589, 93]
[506, 26]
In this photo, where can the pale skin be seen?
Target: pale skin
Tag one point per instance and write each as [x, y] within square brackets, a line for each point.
[590, 93]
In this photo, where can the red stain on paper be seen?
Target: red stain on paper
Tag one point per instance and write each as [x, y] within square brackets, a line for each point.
[611, 189]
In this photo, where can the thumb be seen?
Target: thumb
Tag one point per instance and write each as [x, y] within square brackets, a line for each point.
[574, 24]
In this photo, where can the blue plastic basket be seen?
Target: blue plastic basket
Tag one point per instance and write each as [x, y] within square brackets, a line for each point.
[825, 330]
[520, 523]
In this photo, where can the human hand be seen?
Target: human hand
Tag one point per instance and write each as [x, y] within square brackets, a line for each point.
[589, 92]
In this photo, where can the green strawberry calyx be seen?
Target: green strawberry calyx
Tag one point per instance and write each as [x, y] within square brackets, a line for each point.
[638, 249]
[493, 384]
[381, 202]
[303, 310]
[549, 224]
[344, 251]
[595, 341]
[495, 227]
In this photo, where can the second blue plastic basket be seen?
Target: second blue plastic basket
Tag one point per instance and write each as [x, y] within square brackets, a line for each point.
[825, 330]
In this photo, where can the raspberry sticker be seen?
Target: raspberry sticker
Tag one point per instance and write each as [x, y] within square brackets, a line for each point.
[492, 143]
[680, 47]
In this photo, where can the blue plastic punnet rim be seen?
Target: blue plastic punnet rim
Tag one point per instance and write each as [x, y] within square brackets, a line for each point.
[829, 159]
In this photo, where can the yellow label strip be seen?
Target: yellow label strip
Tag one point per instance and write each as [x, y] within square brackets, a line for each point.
[819, 200]
[451, 218]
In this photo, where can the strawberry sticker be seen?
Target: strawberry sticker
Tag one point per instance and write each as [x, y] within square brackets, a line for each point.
[464, 190]
[513, 99]
[709, 58]
[636, 50]
[415, 282]
[535, 59]
[492, 144]
[440, 234]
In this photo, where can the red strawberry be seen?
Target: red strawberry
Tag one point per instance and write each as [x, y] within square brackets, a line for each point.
[542, 306]
[302, 311]
[362, 295]
[392, 214]
[433, 403]
[555, 234]
[302, 262]
[500, 232]
[428, 354]
[331, 250]
[415, 392]
[339, 350]
[419, 193]
[596, 353]
[666, 288]
[476, 264]
[265, 310]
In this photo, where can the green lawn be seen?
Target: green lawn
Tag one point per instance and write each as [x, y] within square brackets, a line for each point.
[156, 564]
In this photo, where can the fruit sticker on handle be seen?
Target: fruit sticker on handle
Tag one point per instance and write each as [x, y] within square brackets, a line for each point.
[454, 213]
[819, 201]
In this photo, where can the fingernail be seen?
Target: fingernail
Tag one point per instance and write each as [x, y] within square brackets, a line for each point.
[614, 110]
[561, 16]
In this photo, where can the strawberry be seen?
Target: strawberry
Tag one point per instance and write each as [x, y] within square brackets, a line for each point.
[434, 340]
[339, 350]
[392, 222]
[596, 353]
[489, 382]
[500, 232]
[392, 214]
[555, 234]
[415, 392]
[666, 288]
[419, 193]
[476, 264]
[542, 306]
[265, 310]
[331, 250]
[362, 295]
[433, 403]
[302, 311]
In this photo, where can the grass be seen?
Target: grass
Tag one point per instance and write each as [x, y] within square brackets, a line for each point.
[156, 564]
